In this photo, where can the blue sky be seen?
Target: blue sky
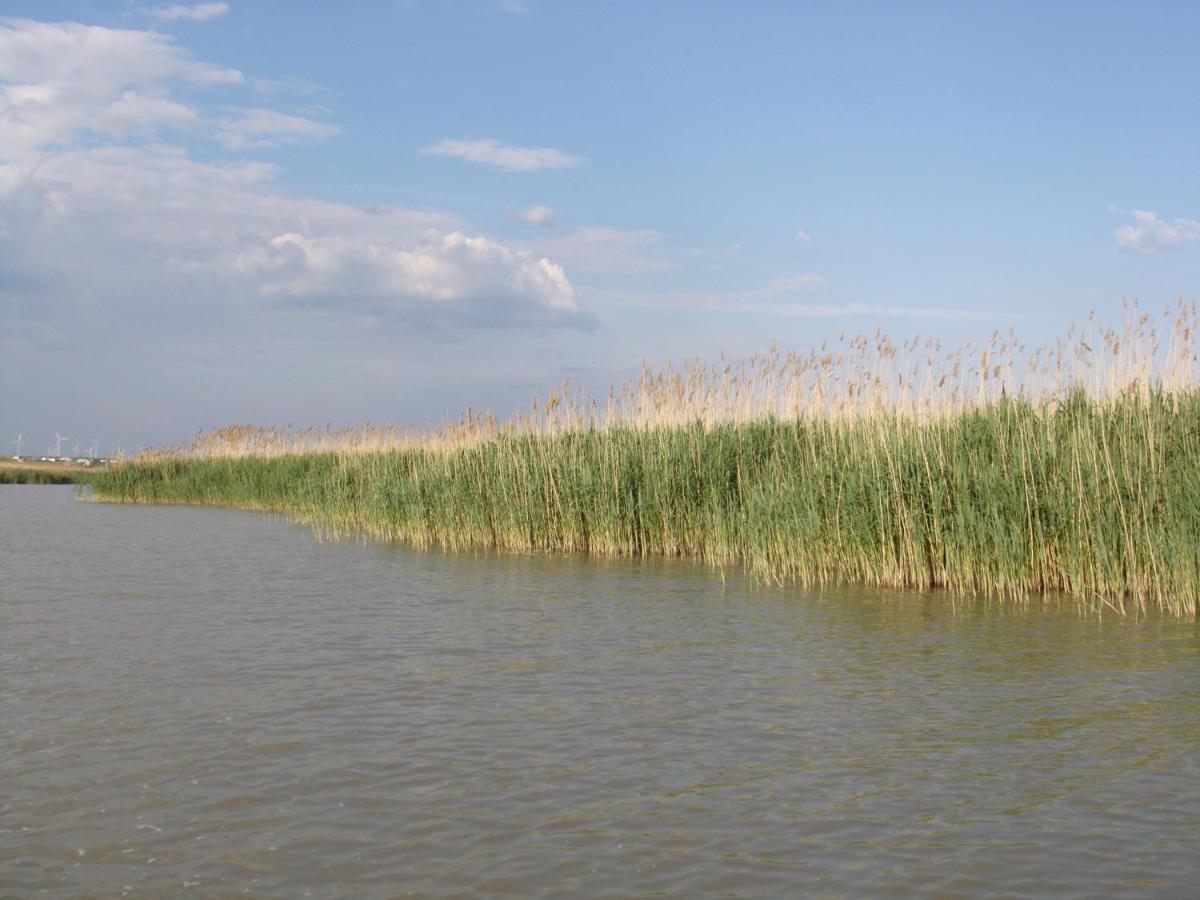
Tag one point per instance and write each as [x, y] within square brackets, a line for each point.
[316, 213]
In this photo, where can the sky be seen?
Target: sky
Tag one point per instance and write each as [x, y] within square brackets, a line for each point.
[252, 212]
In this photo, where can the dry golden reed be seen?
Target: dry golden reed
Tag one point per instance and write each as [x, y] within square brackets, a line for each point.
[855, 378]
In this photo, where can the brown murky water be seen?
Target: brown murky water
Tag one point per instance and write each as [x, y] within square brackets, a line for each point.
[209, 702]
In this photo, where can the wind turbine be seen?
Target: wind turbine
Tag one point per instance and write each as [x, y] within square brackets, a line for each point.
[58, 444]
[75, 452]
[92, 449]
[20, 439]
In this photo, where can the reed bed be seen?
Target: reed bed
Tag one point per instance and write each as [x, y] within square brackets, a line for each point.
[1073, 468]
[22, 472]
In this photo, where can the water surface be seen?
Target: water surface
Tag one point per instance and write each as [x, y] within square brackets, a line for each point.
[208, 701]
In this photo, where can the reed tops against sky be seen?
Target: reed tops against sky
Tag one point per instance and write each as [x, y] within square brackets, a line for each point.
[852, 378]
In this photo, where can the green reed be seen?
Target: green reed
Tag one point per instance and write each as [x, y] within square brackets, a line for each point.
[1098, 499]
[43, 474]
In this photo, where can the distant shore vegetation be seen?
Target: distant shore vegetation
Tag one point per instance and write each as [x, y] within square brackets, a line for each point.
[22, 471]
[1069, 469]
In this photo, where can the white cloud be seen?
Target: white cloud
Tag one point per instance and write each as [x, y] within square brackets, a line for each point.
[143, 232]
[447, 270]
[605, 251]
[198, 12]
[58, 52]
[503, 156]
[803, 236]
[256, 127]
[1148, 233]
[61, 79]
[533, 215]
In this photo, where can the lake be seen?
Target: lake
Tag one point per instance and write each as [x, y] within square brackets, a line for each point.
[209, 701]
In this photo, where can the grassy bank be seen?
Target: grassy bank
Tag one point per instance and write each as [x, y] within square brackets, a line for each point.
[1095, 497]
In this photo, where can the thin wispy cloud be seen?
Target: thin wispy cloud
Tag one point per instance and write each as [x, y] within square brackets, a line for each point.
[509, 157]
[874, 311]
[257, 127]
[192, 12]
[780, 298]
[513, 7]
[785, 297]
[1148, 233]
[504, 7]
[533, 215]
[777, 290]
[606, 252]
[287, 84]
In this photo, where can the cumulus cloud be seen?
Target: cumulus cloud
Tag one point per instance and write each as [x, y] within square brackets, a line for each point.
[141, 229]
[503, 156]
[197, 12]
[533, 215]
[451, 271]
[1148, 233]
